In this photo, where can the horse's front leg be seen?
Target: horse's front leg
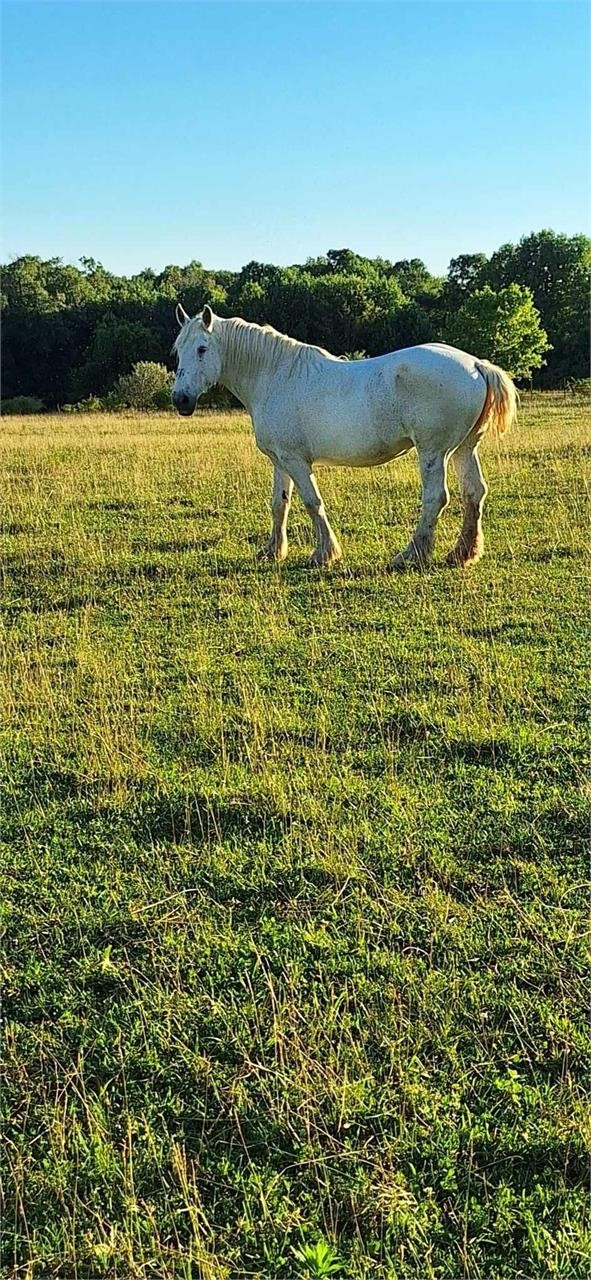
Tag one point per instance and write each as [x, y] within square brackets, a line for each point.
[327, 550]
[276, 547]
[435, 497]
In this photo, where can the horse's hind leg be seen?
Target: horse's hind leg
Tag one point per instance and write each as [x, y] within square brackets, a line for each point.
[276, 547]
[470, 544]
[435, 497]
[327, 550]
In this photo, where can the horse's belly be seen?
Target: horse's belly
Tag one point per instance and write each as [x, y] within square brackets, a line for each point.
[362, 440]
[373, 456]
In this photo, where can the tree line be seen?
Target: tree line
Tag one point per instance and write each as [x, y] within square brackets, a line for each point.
[70, 332]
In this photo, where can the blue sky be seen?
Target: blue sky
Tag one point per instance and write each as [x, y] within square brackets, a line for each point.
[144, 134]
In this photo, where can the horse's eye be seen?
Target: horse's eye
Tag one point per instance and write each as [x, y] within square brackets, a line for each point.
[201, 351]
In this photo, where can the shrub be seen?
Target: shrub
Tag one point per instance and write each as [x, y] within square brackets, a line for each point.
[148, 386]
[22, 404]
[579, 387]
[92, 404]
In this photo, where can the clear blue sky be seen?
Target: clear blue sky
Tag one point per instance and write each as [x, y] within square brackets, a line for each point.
[148, 133]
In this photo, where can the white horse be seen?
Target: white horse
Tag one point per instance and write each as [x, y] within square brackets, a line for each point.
[309, 407]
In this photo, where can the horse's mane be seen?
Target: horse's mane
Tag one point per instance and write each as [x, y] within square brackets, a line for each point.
[251, 341]
[247, 342]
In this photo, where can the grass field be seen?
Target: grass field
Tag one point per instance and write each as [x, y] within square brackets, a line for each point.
[295, 871]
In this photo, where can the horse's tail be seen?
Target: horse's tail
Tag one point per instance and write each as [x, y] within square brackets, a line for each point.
[500, 406]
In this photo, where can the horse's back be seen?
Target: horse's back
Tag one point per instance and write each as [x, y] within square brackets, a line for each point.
[437, 360]
[437, 364]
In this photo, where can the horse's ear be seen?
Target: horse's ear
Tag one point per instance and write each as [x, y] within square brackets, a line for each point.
[207, 318]
[181, 315]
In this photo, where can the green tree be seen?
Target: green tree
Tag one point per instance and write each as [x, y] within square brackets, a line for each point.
[115, 346]
[503, 327]
[287, 302]
[415, 280]
[24, 285]
[465, 275]
[251, 302]
[555, 268]
[340, 308]
[346, 262]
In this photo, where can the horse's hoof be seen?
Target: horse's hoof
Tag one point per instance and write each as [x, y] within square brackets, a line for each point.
[459, 558]
[407, 564]
[271, 554]
[325, 559]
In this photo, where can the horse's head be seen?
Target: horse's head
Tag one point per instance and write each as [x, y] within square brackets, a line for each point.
[199, 359]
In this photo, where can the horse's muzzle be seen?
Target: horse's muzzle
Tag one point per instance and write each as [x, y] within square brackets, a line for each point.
[185, 404]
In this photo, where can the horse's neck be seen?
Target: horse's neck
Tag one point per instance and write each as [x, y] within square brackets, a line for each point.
[243, 372]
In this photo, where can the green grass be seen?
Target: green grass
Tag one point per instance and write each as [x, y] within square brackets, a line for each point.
[295, 875]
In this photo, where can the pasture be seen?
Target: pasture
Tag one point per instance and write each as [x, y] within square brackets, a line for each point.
[294, 865]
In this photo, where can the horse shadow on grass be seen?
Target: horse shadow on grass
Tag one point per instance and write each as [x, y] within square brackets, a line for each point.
[39, 602]
[171, 836]
[549, 554]
[512, 632]
[174, 545]
[187, 817]
[407, 730]
[13, 529]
